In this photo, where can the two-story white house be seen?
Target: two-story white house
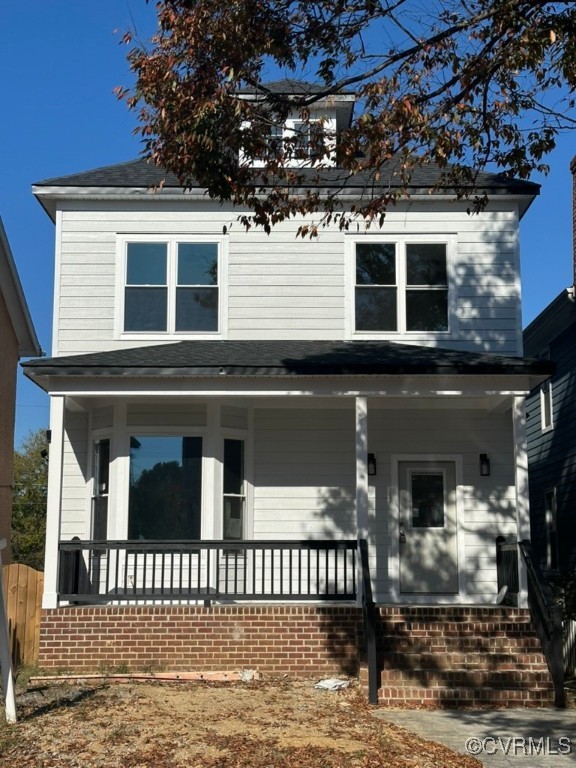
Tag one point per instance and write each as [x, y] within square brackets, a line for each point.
[231, 411]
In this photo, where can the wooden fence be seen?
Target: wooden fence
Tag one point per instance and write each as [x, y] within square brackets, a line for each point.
[23, 594]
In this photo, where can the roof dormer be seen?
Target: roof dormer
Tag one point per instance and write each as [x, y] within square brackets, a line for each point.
[302, 123]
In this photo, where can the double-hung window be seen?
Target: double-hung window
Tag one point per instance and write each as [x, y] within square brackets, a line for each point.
[172, 286]
[401, 286]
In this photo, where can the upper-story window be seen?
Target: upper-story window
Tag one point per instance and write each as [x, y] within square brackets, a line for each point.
[172, 286]
[401, 286]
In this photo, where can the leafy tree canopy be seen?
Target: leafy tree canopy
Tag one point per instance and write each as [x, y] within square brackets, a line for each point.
[29, 500]
[459, 83]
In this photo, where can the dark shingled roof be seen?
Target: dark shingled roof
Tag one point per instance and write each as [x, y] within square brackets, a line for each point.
[284, 358]
[143, 174]
[287, 87]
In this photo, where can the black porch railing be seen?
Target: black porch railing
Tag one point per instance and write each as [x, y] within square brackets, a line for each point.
[126, 571]
[547, 618]
[369, 622]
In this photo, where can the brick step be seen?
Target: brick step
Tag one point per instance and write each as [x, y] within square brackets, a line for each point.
[453, 614]
[458, 697]
[483, 640]
[469, 660]
[465, 678]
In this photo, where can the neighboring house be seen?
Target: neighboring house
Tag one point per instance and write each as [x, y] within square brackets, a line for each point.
[551, 430]
[231, 411]
[17, 339]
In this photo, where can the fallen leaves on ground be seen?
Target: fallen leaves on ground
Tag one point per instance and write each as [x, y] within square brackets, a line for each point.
[273, 724]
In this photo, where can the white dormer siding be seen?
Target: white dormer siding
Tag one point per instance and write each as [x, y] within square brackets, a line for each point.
[281, 286]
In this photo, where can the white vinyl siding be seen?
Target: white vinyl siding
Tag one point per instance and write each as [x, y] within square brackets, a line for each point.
[75, 492]
[281, 286]
[304, 474]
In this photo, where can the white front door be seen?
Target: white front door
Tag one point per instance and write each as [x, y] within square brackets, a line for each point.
[427, 527]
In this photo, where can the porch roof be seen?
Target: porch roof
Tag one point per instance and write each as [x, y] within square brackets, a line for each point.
[285, 359]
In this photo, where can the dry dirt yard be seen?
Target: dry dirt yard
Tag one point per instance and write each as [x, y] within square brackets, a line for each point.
[272, 724]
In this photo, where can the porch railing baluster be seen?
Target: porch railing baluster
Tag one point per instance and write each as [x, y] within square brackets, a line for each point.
[154, 570]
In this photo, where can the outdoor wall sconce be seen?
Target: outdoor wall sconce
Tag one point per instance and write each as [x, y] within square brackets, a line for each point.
[484, 465]
[371, 464]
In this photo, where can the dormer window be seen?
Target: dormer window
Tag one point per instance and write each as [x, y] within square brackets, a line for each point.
[297, 142]
[275, 140]
[308, 139]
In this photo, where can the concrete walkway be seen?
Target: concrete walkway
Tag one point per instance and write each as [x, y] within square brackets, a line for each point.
[531, 738]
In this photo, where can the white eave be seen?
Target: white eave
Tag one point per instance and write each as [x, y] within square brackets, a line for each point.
[48, 196]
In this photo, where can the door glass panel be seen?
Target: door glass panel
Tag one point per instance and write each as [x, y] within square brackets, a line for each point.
[165, 500]
[427, 493]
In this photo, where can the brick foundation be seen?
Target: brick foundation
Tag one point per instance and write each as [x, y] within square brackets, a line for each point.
[431, 656]
[294, 640]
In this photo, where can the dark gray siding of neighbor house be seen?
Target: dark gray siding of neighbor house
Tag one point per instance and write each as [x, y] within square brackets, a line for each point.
[552, 452]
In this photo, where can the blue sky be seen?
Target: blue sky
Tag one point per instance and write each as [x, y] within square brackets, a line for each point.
[60, 61]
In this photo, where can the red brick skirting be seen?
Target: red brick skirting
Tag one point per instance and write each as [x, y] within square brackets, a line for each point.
[431, 656]
[275, 639]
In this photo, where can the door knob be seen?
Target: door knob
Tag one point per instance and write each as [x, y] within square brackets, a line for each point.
[402, 536]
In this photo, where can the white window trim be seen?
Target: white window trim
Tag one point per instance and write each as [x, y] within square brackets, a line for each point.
[400, 240]
[546, 392]
[172, 243]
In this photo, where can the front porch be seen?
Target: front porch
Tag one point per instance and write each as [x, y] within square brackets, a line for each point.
[285, 608]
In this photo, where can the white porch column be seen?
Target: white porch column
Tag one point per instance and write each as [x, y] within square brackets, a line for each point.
[522, 498]
[362, 467]
[361, 482]
[119, 478]
[211, 527]
[53, 501]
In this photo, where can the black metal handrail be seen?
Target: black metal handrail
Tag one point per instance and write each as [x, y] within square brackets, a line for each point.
[126, 571]
[547, 618]
[369, 619]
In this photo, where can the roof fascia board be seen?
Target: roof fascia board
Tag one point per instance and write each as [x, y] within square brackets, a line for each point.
[288, 386]
[49, 197]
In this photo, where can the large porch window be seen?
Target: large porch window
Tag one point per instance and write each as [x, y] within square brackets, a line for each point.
[165, 494]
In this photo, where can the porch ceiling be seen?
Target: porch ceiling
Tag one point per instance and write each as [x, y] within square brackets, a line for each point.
[283, 360]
